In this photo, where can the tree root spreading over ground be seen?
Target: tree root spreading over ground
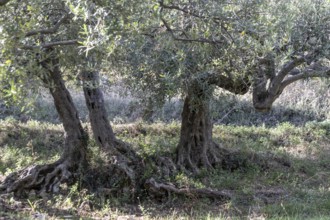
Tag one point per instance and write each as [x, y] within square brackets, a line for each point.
[43, 178]
[123, 174]
[158, 189]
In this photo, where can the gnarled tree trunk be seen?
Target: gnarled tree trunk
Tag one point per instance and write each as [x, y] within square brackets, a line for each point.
[125, 163]
[98, 117]
[196, 148]
[47, 178]
[195, 136]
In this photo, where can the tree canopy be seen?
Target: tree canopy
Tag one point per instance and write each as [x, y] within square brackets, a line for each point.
[228, 41]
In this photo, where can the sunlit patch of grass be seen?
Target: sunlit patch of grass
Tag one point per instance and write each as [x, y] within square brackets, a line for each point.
[25, 144]
[12, 159]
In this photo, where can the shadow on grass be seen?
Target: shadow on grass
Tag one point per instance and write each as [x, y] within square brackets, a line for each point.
[300, 191]
[243, 114]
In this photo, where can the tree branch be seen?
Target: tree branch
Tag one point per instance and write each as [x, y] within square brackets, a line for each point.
[216, 20]
[174, 7]
[309, 72]
[49, 30]
[238, 86]
[51, 44]
[290, 66]
[265, 72]
[267, 89]
[200, 40]
[308, 58]
[161, 4]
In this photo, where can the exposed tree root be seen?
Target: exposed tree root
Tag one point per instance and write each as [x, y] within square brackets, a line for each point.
[159, 189]
[126, 150]
[271, 195]
[210, 155]
[196, 149]
[166, 168]
[126, 164]
[42, 178]
[115, 179]
[221, 158]
[120, 176]
[218, 156]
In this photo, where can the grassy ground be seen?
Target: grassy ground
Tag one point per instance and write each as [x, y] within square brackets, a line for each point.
[299, 191]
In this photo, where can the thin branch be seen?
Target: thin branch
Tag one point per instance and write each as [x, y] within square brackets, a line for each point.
[174, 7]
[200, 40]
[49, 30]
[217, 20]
[51, 44]
[161, 4]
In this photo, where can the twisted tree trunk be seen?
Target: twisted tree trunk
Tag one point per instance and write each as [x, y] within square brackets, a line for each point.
[47, 178]
[102, 130]
[197, 150]
[196, 147]
[125, 164]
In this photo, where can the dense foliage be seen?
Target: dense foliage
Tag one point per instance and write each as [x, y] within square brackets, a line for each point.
[181, 41]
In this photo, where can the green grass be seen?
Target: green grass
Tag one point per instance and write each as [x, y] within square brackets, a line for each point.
[301, 191]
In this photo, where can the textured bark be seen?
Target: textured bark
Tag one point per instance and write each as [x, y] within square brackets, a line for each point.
[47, 178]
[158, 189]
[265, 93]
[195, 137]
[76, 138]
[196, 148]
[122, 172]
[101, 127]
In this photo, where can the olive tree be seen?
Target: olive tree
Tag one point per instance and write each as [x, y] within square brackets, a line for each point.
[53, 40]
[192, 47]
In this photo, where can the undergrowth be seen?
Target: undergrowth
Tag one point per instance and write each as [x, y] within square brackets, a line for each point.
[300, 191]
